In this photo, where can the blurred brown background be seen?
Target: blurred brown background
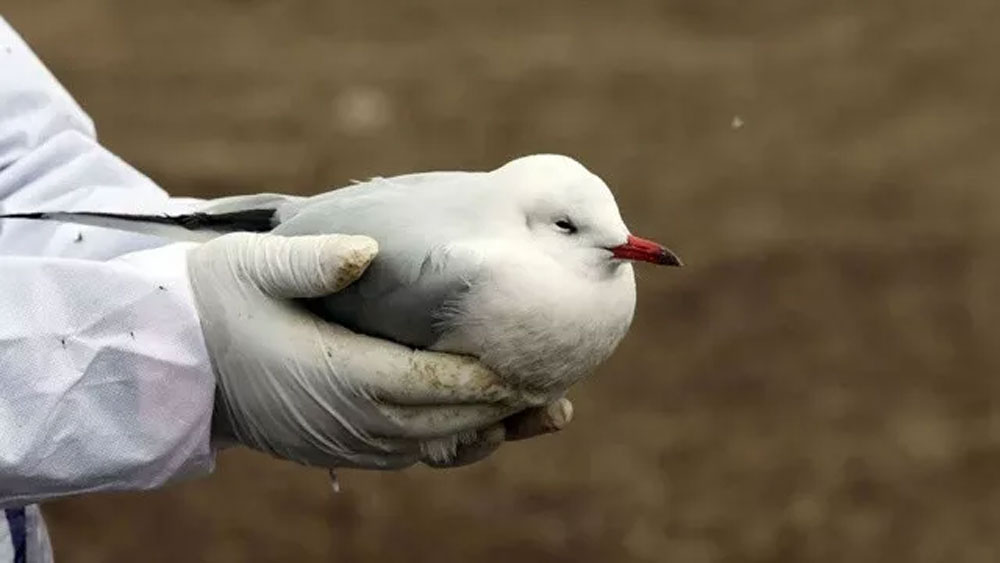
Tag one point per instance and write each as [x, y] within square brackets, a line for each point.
[818, 385]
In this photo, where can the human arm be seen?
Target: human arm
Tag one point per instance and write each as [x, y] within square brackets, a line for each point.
[106, 383]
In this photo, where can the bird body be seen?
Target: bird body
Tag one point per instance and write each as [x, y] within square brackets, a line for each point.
[526, 267]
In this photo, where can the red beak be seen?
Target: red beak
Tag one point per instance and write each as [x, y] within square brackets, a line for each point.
[636, 248]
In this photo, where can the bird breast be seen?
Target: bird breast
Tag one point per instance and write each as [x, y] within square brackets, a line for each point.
[539, 325]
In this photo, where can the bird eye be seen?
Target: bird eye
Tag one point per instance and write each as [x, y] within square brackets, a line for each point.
[566, 225]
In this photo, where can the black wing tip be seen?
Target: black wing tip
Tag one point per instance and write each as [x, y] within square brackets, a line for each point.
[254, 220]
[38, 215]
[247, 220]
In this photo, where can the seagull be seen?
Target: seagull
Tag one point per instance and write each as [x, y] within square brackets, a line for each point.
[527, 267]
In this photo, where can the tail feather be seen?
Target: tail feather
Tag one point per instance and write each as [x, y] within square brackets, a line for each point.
[191, 226]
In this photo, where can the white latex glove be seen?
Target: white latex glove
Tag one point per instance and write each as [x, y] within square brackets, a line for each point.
[303, 389]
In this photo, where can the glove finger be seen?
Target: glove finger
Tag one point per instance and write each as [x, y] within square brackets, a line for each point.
[528, 423]
[386, 462]
[305, 266]
[429, 422]
[537, 421]
[485, 443]
[400, 375]
[363, 451]
[434, 378]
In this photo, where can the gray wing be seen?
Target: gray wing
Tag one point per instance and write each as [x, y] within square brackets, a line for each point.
[232, 204]
[408, 301]
[406, 185]
[424, 265]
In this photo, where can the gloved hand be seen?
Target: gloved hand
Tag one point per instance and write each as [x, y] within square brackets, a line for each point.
[303, 389]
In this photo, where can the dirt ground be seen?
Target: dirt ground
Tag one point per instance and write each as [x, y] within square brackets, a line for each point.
[820, 384]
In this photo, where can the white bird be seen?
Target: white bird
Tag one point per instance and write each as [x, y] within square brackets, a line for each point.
[526, 267]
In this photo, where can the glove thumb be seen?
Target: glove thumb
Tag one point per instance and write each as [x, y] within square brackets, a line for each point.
[304, 266]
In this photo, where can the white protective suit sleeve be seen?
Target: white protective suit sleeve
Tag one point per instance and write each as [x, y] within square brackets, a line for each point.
[105, 382]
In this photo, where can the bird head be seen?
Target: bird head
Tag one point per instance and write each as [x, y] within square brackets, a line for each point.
[572, 215]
